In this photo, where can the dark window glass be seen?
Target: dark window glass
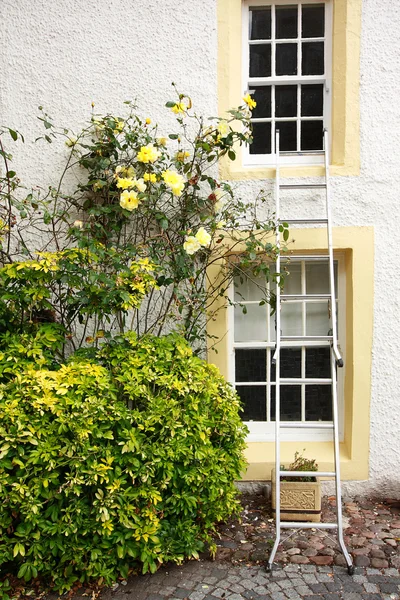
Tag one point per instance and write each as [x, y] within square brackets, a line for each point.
[313, 21]
[290, 363]
[260, 60]
[287, 135]
[251, 365]
[290, 403]
[286, 22]
[260, 23]
[254, 402]
[262, 95]
[286, 100]
[312, 100]
[261, 138]
[318, 403]
[312, 135]
[312, 58]
[286, 59]
[318, 362]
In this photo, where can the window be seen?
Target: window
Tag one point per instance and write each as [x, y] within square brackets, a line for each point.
[306, 391]
[287, 71]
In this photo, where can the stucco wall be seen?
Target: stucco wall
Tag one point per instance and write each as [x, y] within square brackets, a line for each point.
[65, 54]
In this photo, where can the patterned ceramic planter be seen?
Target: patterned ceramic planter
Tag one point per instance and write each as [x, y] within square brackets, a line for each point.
[300, 500]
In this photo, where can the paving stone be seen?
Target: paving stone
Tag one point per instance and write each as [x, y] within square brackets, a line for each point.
[298, 559]
[318, 588]
[371, 588]
[196, 595]
[379, 563]
[236, 588]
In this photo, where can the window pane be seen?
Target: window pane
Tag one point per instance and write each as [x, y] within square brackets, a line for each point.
[290, 403]
[260, 23]
[288, 135]
[262, 95]
[312, 59]
[286, 59]
[291, 321]
[312, 100]
[286, 22]
[254, 402]
[290, 363]
[312, 135]
[318, 362]
[286, 101]
[261, 138]
[250, 365]
[249, 287]
[251, 327]
[313, 21]
[293, 279]
[260, 60]
[317, 278]
[317, 318]
[318, 403]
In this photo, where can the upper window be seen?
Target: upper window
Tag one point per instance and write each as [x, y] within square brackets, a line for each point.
[287, 71]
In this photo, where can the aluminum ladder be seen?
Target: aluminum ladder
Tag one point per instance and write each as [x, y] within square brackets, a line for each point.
[335, 356]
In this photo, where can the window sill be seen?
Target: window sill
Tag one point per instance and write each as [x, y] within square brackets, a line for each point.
[237, 171]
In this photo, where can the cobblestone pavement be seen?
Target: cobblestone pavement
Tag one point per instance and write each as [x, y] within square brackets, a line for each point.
[309, 565]
[204, 580]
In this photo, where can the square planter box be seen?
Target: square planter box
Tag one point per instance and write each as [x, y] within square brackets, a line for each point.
[300, 500]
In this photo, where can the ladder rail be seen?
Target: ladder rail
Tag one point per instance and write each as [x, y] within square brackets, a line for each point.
[335, 360]
[339, 359]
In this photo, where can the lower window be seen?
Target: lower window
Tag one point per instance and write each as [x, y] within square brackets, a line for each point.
[306, 394]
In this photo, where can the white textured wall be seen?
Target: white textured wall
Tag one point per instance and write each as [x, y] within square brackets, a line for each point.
[66, 54]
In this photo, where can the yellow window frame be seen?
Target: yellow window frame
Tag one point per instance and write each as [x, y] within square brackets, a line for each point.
[345, 116]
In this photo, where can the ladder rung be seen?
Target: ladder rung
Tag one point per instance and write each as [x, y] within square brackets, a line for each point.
[316, 257]
[299, 186]
[304, 525]
[287, 425]
[306, 338]
[305, 296]
[305, 221]
[307, 473]
[309, 380]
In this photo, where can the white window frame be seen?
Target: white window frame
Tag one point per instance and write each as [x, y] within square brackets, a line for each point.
[264, 431]
[288, 158]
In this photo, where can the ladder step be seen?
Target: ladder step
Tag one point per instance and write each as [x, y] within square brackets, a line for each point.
[305, 221]
[299, 186]
[306, 338]
[316, 257]
[287, 425]
[309, 380]
[305, 297]
[303, 525]
[307, 473]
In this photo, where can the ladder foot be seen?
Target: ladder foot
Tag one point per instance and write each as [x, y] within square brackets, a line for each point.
[268, 567]
[350, 569]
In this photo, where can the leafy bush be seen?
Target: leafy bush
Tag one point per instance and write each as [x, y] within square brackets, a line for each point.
[127, 459]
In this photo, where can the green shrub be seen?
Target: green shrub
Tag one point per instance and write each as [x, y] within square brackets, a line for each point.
[124, 461]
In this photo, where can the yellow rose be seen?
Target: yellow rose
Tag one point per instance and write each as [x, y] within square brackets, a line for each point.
[119, 126]
[139, 184]
[148, 121]
[148, 154]
[181, 155]
[162, 141]
[203, 237]
[249, 101]
[174, 181]
[150, 177]
[223, 128]
[191, 245]
[125, 182]
[129, 200]
[220, 224]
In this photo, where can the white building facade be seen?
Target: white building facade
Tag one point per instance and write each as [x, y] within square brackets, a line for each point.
[310, 65]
